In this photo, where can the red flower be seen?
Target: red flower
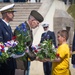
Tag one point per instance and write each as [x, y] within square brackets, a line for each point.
[39, 44]
[14, 37]
[2, 50]
[57, 55]
[36, 51]
[2, 46]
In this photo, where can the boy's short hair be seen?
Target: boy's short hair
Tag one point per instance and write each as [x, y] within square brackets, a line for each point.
[64, 33]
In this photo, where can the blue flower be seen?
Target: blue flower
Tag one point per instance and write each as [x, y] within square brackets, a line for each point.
[0, 53]
[17, 28]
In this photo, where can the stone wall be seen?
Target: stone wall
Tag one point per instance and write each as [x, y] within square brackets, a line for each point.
[62, 20]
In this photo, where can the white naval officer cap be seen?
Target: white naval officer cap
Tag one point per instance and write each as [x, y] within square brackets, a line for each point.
[8, 8]
[45, 25]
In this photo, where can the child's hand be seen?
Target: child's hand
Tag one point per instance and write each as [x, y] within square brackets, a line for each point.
[47, 59]
[37, 58]
[42, 60]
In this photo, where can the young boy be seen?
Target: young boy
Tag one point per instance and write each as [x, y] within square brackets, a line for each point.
[60, 65]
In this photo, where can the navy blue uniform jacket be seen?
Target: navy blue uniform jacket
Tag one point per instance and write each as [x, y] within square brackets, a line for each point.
[49, 35]
[73, 49]
[6, 35]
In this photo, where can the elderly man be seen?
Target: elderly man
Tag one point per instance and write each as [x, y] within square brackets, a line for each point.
[33, 21]
[7, 68]
[47, 66]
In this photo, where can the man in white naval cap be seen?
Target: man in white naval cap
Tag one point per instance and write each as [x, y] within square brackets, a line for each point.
[47, 66]
[7, 68]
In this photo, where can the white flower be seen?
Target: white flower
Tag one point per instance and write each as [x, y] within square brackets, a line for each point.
[53, 48]
[5, 48]
[0, 47]
[43, 44]
[12, 42]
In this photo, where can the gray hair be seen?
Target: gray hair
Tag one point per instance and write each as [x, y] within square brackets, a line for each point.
[31, 17]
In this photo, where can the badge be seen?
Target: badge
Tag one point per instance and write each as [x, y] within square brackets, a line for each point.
[0, 37]
[6, 33]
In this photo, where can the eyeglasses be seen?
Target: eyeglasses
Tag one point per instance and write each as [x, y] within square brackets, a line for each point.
[45, 27]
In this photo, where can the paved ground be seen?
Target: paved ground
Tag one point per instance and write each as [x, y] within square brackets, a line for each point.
[72, 69]
[36, 68]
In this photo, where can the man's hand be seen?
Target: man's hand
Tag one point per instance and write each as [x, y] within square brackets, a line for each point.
[17, 56]
[42, 60]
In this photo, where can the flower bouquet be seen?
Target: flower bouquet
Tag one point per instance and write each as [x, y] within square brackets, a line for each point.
[46, 49]
[3, 53]
[22, 36]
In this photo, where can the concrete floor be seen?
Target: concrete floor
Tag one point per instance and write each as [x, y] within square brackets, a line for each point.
[36, 68]
[72, 69]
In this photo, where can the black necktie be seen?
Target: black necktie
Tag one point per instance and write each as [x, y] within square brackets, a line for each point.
[9, 27]
[10, 30]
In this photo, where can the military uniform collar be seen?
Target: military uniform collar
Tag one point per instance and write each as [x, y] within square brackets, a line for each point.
[5, 22]
[46, 31]
[28, 27]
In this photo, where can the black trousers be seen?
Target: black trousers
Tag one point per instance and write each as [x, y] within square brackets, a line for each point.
[73, 59]
[71, 1]
[65, 1]
[8, 67]
[47, 66]
[6, 0]
[20, 0]
[37, 0]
